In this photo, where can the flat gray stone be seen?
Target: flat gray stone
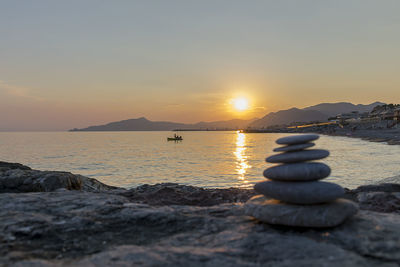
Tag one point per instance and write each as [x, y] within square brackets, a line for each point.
[300, 192]
[297, 139]
[323, 215]
[304, 171]
[298, 156]
[294, 147]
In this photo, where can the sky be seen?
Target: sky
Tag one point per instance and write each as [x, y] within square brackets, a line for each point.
[67, 64]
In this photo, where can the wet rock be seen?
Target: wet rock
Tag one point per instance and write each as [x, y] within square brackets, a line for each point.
[297, 139]
[299, 156]
[320, 215]
[305, 171]
[300, 192]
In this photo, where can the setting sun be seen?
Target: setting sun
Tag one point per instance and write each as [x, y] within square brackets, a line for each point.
[240, 104]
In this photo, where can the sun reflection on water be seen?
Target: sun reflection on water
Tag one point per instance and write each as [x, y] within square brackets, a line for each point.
[241, 164]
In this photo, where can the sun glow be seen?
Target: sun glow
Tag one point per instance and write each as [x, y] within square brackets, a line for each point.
[240, 103]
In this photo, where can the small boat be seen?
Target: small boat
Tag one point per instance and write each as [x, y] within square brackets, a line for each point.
[175, 138]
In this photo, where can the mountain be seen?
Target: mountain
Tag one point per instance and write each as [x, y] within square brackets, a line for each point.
[143, 124]
[333, 109]
[320, 112]
[140, 124]
[288, 116]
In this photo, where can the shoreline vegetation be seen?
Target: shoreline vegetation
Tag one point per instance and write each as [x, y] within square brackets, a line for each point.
[52, 218]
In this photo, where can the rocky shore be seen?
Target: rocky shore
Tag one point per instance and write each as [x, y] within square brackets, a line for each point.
[390, 136]
[60, 219]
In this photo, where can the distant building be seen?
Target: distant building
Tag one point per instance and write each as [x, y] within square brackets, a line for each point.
[386, 112]
[396, 115]
[387, 115]
[345, 117]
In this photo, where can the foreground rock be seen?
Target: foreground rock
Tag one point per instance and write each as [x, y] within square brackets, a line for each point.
[384, 197]
[175, 194]
[102, 229]
[177, 225]
[17, 178]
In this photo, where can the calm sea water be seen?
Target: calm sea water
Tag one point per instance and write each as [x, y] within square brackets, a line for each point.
[207, 159]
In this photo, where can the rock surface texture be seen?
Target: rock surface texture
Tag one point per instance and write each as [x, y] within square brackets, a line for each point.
[176, 225]
[17, 178]
[295, 197]
[106, 229]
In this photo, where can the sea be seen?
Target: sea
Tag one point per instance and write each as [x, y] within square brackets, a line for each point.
[214, 159]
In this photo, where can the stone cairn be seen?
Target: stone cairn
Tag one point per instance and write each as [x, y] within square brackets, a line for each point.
[293, 195]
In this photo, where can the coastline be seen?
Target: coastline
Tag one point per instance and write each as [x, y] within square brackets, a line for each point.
[53, 218]
[389, 136]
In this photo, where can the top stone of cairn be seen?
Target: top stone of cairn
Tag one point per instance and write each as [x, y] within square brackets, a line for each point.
[297, 139]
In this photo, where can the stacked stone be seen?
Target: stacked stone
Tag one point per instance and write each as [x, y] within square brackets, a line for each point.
[294, 194]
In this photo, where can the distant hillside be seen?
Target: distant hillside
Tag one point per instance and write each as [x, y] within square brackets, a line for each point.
[140, 124]
[320, 112]
[288, 116]
[143, 124]
[333, 109]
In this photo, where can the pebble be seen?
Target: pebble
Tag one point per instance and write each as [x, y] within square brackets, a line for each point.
[294, 147]
[305, 171]
[322, 215]
[299, 156]
[297, 139]
[300, 192]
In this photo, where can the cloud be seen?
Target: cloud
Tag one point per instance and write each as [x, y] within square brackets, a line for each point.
[18, 91]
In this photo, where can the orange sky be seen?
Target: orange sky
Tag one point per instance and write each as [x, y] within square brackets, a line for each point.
[74, 64]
